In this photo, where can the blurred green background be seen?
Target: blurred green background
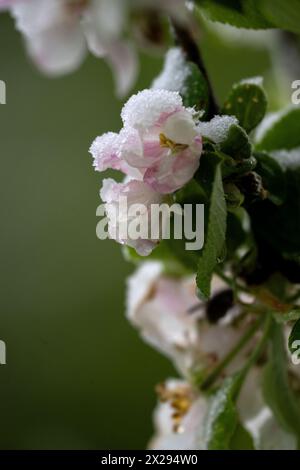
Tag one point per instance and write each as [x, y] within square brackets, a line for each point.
[77, 375]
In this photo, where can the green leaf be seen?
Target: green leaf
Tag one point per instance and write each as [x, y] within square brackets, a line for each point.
[241, 439]
[233, 196]
[232, 167]
[248, 102]
[276, 388]
[279, 226]
[283, 132]
[273, 177]
[237, 143]
[294, 336]
[286, 317]
[186, 78]
[240, 13]
[222, 417]
[194, 90]
[284, 14]
[215, 220]
[222, 421]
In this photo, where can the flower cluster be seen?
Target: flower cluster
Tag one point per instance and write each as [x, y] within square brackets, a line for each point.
[58, 33]
[158, 149]
[169, 317]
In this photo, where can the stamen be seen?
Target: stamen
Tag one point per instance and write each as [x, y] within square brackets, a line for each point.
[180, 399]
[169, 144]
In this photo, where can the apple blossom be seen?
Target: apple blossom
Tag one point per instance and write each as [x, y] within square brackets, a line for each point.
[180, 417]
[159, 139]
[163, 309]
[58, 33]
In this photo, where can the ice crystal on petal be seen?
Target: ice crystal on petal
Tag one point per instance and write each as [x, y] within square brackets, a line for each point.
[217, 129]
[144, 109]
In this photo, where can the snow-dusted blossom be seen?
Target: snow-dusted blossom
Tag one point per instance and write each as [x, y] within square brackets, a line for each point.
[58, 33]
[159, 142]
[181, 414]
[169, 316]
[158, 149]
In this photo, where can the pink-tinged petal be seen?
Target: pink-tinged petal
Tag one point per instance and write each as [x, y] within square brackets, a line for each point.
[153, 151]
[118, 213]
[172, 172]
[144, 110]
[131, 147]
[104, 150]
[106, 154]
[137, 152]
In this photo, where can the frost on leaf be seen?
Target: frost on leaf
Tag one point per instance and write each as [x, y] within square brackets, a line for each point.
[217, 129]
[175, 72]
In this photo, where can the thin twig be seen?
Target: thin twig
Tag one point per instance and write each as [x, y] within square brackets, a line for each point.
[210, 379]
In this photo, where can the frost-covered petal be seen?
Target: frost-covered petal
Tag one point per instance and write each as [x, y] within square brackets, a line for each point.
[145, 109]
[106, 154]
[119, 199]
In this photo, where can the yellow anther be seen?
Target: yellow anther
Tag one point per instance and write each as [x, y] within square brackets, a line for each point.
[170, 144]
[180, 399]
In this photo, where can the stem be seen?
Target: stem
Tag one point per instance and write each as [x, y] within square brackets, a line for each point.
[232, 282]
[185, 40]
[210, 379]
[256, 353]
